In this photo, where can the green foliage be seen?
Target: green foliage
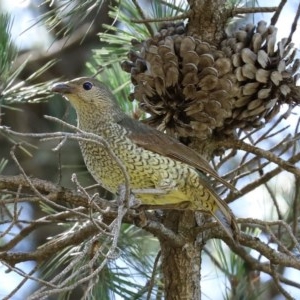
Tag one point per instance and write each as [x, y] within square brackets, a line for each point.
[7, 51]
[11, 88]
[3, 163]
[62, 16]
[119, 35]
[118, 43]
[125, 274]
[236, 271]
[23, 91]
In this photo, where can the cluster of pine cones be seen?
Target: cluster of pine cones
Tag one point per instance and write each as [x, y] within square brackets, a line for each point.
[192, 88]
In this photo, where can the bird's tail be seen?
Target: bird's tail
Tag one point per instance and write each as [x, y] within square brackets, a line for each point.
[218, 208]
[226, 219]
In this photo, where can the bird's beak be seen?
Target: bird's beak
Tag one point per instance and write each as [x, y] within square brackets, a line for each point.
[62, 88]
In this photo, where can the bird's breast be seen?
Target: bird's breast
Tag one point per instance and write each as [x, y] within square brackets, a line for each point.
[146, 169]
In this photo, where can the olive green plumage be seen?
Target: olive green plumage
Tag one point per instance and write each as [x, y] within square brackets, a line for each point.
[152, 159]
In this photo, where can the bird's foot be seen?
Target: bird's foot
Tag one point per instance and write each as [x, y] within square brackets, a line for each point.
[133, 201]
[130, 199]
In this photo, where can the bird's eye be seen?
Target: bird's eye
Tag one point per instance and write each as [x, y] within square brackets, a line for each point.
[87, 85]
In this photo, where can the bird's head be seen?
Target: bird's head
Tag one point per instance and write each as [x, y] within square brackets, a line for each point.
[88, 96]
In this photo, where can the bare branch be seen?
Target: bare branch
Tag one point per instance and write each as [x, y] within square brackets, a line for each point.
[238, 144]
[294, 25]
[151, 283]
[182, 16]
[274, 256]
[252, 10]
[25, 276]
[278, 12]
[278, 285]
[141, 12]
[262, 180]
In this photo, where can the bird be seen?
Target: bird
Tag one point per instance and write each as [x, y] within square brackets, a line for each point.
[176, 175]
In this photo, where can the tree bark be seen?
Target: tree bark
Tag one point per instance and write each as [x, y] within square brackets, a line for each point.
[208, 20]
[181, 265]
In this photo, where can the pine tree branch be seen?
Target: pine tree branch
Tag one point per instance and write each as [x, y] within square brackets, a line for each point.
[276, 15]
[245, 240]
[182, 16]
[252, 10]
[140, 11]
[241, 145]
[262, 180]
[150, 285]
[294, 25]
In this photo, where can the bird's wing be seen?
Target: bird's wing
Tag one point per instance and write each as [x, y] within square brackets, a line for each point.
[158, 142]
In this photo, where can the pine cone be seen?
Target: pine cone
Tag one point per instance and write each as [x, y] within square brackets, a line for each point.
[266, 77]
[193, 89]
[182, 82]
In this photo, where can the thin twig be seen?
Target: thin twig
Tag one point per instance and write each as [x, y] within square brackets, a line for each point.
[276, 15]
[254, 243]
[268, 224]
[296, 207]
[154, 269]
[140, 11]
[182, 16]
[294, 25]
[252, 10]
[41, 196]
[172, 6]
[278, 285]
[25, 276]
[263, 179]
[274, 200]
[237, 144]
[69, 284]
[80, 136]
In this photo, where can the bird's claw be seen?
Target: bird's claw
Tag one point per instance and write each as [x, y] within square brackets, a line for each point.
[132, 201]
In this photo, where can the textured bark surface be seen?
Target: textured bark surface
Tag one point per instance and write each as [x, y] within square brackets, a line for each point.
[208, 19]
[181, 265]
